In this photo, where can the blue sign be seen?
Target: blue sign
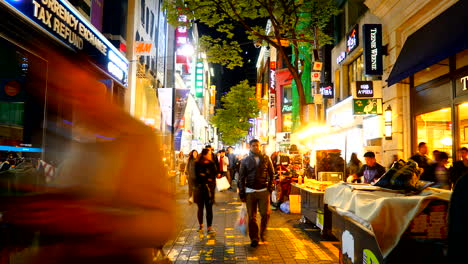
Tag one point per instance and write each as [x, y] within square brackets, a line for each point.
[21, 149]
[60, 19]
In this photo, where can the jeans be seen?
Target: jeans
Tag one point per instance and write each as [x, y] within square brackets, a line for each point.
[205, 203]
[262, 200]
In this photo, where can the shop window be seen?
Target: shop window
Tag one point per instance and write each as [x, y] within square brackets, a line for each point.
[142, 11]
[21, 114]
[463, 125]
[287, 98]
[337, 84]
[147, 20]
[432, 72]
[287, 122]
[462, 59]
[356, 70]
[435, 128]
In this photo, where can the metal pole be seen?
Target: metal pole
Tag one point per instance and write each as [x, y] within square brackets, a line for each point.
[345, 150]
[132, 60]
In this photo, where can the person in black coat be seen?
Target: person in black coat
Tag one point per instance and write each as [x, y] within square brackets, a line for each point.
[457, 227]
[190, 171]
[204, 188]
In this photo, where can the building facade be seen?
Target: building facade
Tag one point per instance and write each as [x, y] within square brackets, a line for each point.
[418, 92]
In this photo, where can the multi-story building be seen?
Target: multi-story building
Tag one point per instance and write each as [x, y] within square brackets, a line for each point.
[37, 38]
[398, 77]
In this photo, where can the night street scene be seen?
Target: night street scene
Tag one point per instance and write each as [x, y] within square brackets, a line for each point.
[233, 131]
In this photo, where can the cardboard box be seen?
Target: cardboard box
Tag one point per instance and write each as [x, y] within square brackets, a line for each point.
[295, 203]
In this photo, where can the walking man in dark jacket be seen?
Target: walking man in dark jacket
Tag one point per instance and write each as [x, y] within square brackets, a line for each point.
[255, 186]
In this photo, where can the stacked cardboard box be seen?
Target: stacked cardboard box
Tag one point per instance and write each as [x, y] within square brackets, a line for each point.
[431, 223]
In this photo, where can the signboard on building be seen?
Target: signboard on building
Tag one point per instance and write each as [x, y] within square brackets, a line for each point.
[364, 89]
[341, 57]
[352, 39]
[61, 20]
[317, 66]
[315, 76]
[367, 106]
[144, 48]
[327, 90]
[199, 71]
[181, 39]
[372, 36]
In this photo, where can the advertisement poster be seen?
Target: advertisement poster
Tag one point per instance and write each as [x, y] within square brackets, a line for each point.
[181, 97]
[165, 101]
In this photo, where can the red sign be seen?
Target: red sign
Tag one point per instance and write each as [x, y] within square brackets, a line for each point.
[181, 38]
[12, 88]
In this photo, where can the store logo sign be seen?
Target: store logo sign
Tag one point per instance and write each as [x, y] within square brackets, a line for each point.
[341, 58]
[287, 108]
[61, 20]
[372, 34]
[352, 39]
[327, 90]
[364, 89]
[463, 81]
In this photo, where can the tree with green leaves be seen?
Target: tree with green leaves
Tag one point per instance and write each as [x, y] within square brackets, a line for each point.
[300, 23]
[240, 105]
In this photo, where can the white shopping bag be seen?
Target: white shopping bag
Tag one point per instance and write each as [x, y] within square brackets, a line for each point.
[241, 223]
[222, 184]
[274, 196]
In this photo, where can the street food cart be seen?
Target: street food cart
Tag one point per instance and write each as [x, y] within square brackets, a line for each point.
[312, 205]
[377, 225]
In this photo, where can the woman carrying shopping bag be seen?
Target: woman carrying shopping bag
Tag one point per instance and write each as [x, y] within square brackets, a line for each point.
[204, 188]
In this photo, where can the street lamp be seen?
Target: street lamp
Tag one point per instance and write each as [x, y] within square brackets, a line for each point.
[388, 122]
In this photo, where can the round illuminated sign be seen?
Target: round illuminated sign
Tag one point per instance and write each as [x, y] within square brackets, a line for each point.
[12, 88]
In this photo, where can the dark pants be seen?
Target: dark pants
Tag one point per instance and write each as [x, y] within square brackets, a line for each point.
[205, 203]
[262, 200]
[230, 175]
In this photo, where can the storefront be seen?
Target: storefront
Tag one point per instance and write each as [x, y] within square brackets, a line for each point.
[437, 76]
[31, 31]
[440, 104]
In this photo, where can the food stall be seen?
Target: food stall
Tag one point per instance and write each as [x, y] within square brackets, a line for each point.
[400, 221]
[377, 225]
[312, 205]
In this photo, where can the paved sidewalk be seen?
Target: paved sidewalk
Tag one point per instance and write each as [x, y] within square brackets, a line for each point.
[288, 240]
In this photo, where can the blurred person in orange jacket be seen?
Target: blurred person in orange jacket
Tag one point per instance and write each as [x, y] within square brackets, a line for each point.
[99, 209]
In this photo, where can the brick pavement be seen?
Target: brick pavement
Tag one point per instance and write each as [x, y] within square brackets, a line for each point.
[288, 240]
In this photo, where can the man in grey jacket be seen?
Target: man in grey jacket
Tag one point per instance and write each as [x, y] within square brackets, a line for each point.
[255, 186]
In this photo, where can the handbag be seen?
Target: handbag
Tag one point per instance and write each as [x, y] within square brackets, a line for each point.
[222, 184]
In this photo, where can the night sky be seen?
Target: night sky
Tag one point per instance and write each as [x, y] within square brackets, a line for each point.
[225, 78]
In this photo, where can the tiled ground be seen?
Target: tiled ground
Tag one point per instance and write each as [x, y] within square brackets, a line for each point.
[289, 241]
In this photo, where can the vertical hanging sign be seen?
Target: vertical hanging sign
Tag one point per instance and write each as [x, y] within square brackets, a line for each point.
[199, 79]
[372, 34]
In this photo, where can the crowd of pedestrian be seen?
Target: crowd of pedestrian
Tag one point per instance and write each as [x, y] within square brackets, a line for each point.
[253, 173]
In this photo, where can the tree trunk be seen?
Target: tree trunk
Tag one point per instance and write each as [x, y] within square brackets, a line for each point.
[300, 92]
[297, 78]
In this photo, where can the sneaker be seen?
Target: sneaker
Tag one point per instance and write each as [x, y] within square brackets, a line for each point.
[263, 239]
[200, 229]
[254, 243]
[210, 230]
